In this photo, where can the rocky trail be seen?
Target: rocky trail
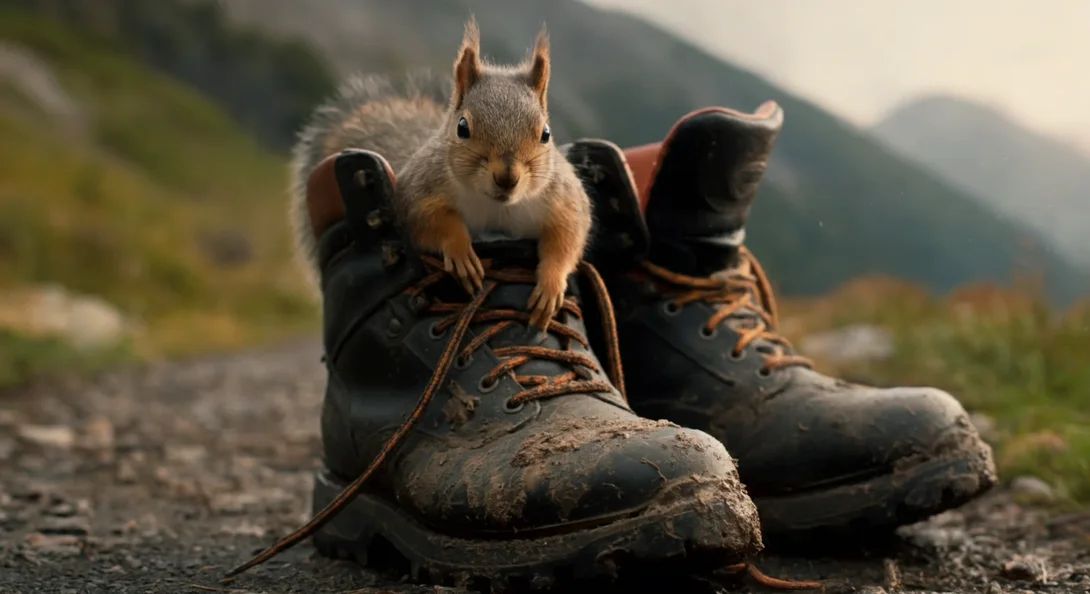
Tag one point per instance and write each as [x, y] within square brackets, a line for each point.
[159, 479]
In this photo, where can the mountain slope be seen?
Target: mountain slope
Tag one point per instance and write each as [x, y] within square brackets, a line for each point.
[121, 183]
[1025, 175]
[838, 205]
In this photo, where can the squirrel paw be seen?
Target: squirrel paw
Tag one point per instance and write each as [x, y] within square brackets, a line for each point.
[465, 264]
[545, 302]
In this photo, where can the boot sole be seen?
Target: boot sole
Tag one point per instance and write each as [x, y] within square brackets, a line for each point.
[695, 532]
[880, 504]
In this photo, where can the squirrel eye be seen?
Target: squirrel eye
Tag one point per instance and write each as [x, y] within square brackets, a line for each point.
[463, 128]
[545, 134]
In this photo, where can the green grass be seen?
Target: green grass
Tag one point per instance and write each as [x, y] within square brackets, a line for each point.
[127, 205]
[23, 358]
[1003, 353]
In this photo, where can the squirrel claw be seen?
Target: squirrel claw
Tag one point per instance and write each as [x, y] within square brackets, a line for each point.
[544, 304]
[468, 269]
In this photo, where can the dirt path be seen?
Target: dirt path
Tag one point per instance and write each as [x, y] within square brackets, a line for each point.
[160, 479]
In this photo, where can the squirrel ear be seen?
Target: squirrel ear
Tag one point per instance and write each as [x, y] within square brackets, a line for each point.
[467, 68]
[539, 66]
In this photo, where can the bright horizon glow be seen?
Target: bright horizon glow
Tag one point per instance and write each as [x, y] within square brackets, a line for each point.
[859, 59]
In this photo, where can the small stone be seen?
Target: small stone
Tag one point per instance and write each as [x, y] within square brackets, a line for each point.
[98, 434]
[64, 545]
[243, 529]
[233, 503]
[186, 454]
[55, 436]
[126, 471]
[934, 537]
[1025, 568]
[61, 509]
[64, 526]
[1030, 489]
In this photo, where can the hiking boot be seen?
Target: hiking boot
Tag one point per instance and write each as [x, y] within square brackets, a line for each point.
[696, 318]
[515, 461]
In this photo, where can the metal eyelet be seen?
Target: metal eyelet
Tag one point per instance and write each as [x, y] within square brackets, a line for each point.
[435, 332]
[463, 362]
[670, 308]
[764, 372]
[737, 356]
[511, 407]
[708, 334]
[485, 387]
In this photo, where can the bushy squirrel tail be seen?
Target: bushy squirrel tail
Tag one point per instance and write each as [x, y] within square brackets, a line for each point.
[392, 117]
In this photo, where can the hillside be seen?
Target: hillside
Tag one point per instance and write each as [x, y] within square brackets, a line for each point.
[119, 183]
[1025, 175]
[839, 205]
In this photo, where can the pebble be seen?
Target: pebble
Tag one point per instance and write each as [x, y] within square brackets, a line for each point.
[54, 544]
[98, 434]
[1030, 489]
[933, 537]
[61, 509]
[186, 454]
[243, 529]
[126, 471]
[1026, 568]
[69, 526]
[56, 436]
[233, 503]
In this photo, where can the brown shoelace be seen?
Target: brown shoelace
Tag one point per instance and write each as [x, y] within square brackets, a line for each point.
[731, 295]
[459, 317]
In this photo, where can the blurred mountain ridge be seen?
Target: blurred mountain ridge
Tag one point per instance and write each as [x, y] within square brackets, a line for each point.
[1023, 174]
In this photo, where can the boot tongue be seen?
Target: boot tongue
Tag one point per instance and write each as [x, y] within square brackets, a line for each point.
[706, 176]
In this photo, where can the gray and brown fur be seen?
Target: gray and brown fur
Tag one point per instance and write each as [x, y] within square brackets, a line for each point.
[501, 179]
[391, 117]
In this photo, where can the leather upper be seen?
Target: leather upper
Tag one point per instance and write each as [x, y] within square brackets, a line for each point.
[474, 464]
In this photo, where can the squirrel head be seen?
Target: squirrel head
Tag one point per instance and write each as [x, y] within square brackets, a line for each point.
[498, 124]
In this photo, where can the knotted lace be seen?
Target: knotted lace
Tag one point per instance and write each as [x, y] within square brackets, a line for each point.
[458, 317]
[743, 300]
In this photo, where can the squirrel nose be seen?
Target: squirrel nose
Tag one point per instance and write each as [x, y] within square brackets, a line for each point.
[506, 181]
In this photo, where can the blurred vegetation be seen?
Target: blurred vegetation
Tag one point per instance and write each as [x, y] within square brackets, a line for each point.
[24, 357]
[148, 196]
[268, 84]
[1002, 352]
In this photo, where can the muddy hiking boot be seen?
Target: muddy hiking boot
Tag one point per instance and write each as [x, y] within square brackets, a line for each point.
[696, 318]
[521, 466]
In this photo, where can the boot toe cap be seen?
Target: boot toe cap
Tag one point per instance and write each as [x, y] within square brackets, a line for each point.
[853, 433]
[580, 471]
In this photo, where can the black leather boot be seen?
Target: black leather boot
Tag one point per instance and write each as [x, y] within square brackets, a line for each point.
[696, 319]
[522, 465]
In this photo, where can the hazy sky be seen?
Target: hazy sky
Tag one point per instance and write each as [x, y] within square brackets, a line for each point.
[860, 58]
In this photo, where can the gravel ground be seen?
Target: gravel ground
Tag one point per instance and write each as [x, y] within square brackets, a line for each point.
[159, 479]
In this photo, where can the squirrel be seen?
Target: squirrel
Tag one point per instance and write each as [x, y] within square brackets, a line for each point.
[484, 162]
